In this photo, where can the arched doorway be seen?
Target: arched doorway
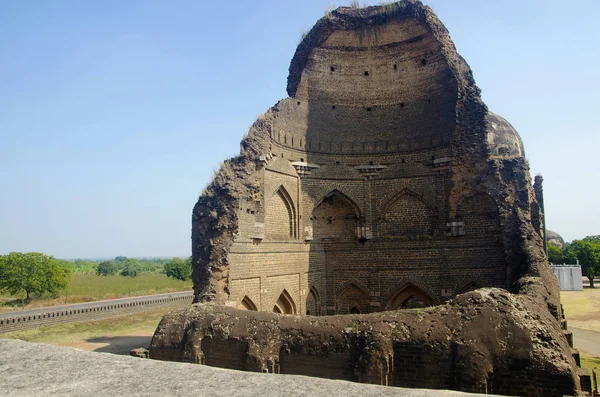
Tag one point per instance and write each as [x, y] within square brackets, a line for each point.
[285, 304]
[409, 297]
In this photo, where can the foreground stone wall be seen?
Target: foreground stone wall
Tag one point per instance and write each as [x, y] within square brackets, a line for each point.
[81, 373]
[484, 341]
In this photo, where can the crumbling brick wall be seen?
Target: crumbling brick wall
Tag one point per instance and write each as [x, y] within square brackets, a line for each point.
[382, 182]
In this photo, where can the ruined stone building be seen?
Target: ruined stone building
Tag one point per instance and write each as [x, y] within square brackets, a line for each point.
[382, 182]
[357, 200]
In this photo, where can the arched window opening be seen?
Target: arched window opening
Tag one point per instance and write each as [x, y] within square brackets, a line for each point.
[408, 214]
[247, 304]
[337, 216]
[409, 297]
[313, 303]
[285, 304]
[280, 216]
[351, 300]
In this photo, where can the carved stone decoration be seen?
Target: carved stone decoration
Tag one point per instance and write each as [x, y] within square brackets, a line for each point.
[304, 168]
[370, 170]
[259, 231]
[308, 233]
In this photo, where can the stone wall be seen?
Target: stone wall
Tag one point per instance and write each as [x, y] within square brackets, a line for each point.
[356, 176]
[472, 344]
[382, 182]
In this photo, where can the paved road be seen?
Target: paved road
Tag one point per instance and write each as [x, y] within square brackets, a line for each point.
[588, 341]
[50, 309]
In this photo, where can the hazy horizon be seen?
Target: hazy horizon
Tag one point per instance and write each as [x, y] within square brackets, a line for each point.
[114, 115]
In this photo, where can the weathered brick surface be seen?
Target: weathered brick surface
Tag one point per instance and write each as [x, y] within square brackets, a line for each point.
[484, 341]
[382, 182]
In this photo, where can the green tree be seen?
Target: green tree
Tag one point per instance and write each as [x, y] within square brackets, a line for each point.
[106, 268]
[120, 258]
[33, 272]
[592, 239]
[131, 268]
[81, 266]
[555, 255]
[179, 269]
[588, 254]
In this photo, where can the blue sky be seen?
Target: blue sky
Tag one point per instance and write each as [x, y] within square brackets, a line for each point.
[115, 114]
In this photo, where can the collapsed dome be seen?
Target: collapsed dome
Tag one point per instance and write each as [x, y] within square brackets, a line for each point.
[381, 183]
[373, 74]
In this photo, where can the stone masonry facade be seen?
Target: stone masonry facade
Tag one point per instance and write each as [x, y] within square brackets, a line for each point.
[354, 207]
[382, 183]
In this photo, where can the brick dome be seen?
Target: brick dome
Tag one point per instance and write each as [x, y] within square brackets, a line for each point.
[502, 138]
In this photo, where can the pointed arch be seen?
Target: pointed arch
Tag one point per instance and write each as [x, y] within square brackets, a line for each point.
[342, 286]
[409, 294]
[407, 213]
[403, 192]
[352, 297]
[472, 286]
[247, 304]
[469, 283]
[409, 297]
[285, 304]
[336, 216]
[313, 303]
[337, 193]
[280, 216]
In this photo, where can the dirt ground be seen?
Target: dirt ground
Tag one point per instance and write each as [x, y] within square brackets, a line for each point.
[582, 308]
[116, 344]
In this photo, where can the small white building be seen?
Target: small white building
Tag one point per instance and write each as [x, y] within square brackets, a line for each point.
[569, 276]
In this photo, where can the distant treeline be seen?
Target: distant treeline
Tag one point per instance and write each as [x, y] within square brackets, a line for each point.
[37, 274]
[91, 266]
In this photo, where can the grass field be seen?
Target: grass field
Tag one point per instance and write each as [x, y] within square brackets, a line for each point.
[590, 362]
[582, 308]
[90, 287]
